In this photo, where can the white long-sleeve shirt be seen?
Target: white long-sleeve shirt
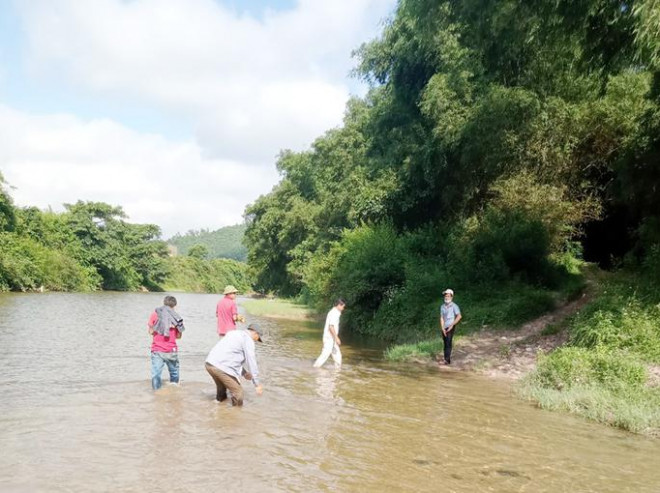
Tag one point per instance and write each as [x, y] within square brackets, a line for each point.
[230, 353]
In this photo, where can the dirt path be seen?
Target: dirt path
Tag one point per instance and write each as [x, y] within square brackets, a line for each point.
[512, 353]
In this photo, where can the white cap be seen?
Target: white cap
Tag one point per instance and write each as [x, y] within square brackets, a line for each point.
[448, 291]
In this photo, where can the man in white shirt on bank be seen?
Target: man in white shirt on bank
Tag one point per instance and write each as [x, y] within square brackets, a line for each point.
[331, 341]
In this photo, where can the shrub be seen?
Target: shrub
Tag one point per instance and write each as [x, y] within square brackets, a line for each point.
[27, 265]
[366, 268]
[570, 367]
[625, 316]
[206, 276]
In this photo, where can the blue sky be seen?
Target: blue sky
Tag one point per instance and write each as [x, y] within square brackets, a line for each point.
[117, 100]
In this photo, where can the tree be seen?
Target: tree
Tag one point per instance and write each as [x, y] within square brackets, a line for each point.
[7, 211]
[198, 251]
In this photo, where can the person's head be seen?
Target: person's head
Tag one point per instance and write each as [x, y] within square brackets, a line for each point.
[169, 301]
[255, 332]
[230, 291]
[340, 304]
[448, 295]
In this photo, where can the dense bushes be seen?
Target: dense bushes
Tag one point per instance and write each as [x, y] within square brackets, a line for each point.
[625, 316]
[27, 265]
[206, 276]
[394, 281]
[481, 158]
[91, 246]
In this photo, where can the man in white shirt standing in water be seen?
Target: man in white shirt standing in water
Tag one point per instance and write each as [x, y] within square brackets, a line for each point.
[331, 341]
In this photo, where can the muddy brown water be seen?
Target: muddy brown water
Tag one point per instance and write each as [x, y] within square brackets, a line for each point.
[77, 414]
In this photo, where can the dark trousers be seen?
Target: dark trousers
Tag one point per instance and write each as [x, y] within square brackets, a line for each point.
[224, 382]
[446, 339]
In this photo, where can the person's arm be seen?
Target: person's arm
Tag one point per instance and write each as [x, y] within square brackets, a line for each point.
[234, 312]
[253, 369]
[456, 320]
[442, 324]
[153, 319]
[333, 333]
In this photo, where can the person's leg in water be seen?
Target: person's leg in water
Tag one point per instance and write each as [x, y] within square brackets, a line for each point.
[220, 389]
[172, 361]
[336, 356]
[157, 364]
[328, 347]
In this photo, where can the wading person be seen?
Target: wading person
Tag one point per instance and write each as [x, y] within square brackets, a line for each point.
[165, 326]
[225, 363]
[331, 341]
[450, 315]
[227, 312]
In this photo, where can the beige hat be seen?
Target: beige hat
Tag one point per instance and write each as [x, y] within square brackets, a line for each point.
[448, 291]
[230, 289]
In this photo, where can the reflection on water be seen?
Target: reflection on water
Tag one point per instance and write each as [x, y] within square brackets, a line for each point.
[326, 381]
[77, 414]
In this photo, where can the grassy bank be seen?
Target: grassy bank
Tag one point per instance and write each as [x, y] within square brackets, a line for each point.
[608, 370]
[605, 371]
[278, 308]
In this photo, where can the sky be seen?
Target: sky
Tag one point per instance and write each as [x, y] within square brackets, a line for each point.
[175, 110]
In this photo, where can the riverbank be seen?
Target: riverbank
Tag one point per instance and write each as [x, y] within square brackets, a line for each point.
[511, 354]
[597, 356]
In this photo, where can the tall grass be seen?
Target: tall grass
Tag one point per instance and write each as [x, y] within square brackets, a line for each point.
[602, 374]
[636, 409]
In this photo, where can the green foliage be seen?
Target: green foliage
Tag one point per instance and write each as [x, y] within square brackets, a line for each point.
[87, 247]
[635, 408]
[410, 352]
[195, 275]
[573, 366]
[602, 374]
[126, 255]
[7, 211]
[225, 242]
[28, 265]
[198, 251]
[626, 316]
[367, 267]
[495, 135]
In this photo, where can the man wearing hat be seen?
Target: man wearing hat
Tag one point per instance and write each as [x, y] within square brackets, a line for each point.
[225, 363]
[450, 315]
[227, 312]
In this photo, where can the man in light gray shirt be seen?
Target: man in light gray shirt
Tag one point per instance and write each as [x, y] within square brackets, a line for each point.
[225, 363]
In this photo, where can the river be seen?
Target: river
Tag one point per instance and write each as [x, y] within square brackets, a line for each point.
[77, 414]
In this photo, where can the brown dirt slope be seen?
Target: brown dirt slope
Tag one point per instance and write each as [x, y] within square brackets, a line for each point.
[512, 353]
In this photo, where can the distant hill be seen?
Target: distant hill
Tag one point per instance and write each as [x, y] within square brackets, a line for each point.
[225, 242]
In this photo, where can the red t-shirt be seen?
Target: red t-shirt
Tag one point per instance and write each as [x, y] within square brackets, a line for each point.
[161, 343]
[225, 312]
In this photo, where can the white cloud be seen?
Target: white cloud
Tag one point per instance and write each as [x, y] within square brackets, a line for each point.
[61, 159]
[248, 87]
[251, 86]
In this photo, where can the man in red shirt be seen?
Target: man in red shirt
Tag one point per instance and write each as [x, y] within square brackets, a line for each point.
[166, 326]
[227, 311]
